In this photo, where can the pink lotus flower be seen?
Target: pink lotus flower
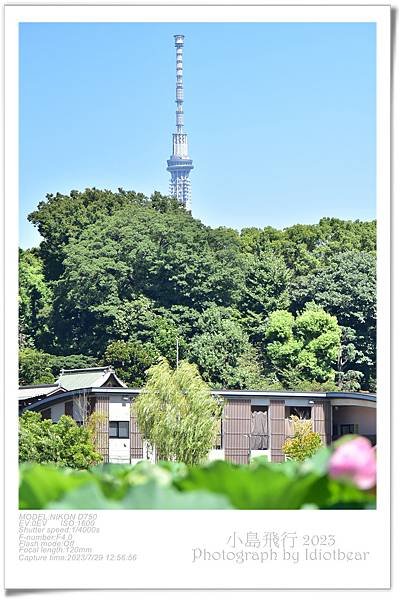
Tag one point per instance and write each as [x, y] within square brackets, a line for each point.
[355, 460]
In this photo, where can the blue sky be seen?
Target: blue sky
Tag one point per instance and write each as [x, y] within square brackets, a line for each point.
[280, 117]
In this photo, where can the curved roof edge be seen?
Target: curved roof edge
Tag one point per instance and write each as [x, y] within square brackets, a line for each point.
[358, 396]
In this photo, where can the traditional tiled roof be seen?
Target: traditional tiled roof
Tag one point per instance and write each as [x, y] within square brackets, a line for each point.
[74, 379]
[38, 391]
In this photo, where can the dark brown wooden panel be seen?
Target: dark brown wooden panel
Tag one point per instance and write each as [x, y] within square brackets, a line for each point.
[321, 417]
[92, 404]
[136, 440]
[46, 413]
[277, 429]
[69, 408]
[237, 430]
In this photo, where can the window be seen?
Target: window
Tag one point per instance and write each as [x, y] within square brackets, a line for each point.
[259, 439]
[349, 428]
[302, 412]
[123, 429]
[119, 429]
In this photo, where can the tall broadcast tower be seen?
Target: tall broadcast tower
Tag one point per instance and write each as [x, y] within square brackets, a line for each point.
[179, 164]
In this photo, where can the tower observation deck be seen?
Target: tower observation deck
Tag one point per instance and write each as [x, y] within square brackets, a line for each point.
[179, 164]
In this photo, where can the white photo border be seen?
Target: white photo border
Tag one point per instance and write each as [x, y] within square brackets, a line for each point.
[186, 528]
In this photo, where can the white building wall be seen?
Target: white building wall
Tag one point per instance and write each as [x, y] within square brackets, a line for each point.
[119, 410]
[119, 448]
[301, 401]
[256, 453]
[149, 453]
[215, 454]
[365, 417]
[219, 454]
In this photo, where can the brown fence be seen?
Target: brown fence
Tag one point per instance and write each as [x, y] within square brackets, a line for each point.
[321, 417]
[277, 429]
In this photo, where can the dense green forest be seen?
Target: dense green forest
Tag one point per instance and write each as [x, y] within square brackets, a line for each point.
[119, 278]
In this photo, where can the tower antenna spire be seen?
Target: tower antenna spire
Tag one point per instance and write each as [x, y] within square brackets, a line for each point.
[179, 85]
[179, 164]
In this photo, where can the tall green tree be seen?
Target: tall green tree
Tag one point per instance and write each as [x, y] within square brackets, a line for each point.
[165, 257]
[222, 350]
[346, 288]
[303, 350]
[120, 267]
[62, 218]
[34, 301]
[142, 320]
[308, 248]
[131, 360]
[177, 413]
[266, 290]
[72, 361]
[35, 367]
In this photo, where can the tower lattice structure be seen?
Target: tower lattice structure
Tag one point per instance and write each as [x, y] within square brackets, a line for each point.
[179, 164]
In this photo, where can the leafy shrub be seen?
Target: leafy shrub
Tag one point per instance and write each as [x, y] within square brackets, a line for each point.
[305, 442]
[63, 443]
